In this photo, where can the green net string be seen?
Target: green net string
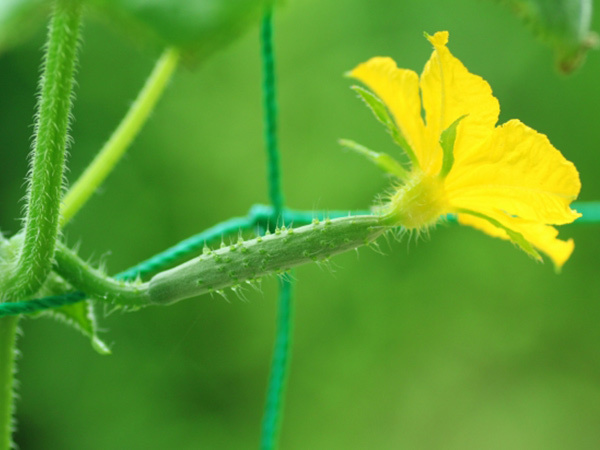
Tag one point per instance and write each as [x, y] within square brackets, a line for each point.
[40, 304]
[273, 411]
[259, 217]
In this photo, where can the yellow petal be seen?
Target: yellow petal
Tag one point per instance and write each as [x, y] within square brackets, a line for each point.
[450, 91]
[517, 171]
[542, 237]
[399, 90]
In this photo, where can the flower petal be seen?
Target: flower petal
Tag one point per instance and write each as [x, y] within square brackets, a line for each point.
[399, 90]
[518, 171]
[449, 91]
[542, 237]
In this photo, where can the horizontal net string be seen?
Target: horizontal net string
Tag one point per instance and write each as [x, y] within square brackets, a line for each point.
[259, 216]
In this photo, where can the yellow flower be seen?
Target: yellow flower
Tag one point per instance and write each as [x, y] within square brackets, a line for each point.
[506, 180]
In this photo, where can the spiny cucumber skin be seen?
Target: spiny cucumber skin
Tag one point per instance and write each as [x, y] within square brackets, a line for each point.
[275, 253]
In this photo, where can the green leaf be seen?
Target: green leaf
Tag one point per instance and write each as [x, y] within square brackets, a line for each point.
[198, 27]
[380, 111]
[447, 142]
[564, 25]
[19, 19]
[79, 315]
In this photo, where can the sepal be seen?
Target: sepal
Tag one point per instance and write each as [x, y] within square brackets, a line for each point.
[80, 316]
[382, 160]
[381, 113]
[513, 235]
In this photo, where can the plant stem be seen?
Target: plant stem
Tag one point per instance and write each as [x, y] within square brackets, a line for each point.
[122, 137]
[96, 284]
[46, 177]
[8, 336]
[35, 255]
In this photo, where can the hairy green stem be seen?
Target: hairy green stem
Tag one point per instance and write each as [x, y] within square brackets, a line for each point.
[95, 283]
[8, 336]
[46, 176]
[122, 137]
[34, 260]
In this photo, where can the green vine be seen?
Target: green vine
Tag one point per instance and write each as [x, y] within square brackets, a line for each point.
[48, 161]
[95, 283]
[34, 258]
[8, 337]
[122, 138]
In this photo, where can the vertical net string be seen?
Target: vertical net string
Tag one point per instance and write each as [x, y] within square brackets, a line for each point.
[270, 114]
[273, 412]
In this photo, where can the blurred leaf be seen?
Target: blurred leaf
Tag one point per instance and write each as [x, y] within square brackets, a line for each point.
[19, 19]
[562, 24]
[79, 315]
[196, 26]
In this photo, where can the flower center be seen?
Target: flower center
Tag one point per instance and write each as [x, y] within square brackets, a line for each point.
[418, 203]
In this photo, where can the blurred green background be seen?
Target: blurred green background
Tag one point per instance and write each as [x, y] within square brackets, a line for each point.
[458, 341]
